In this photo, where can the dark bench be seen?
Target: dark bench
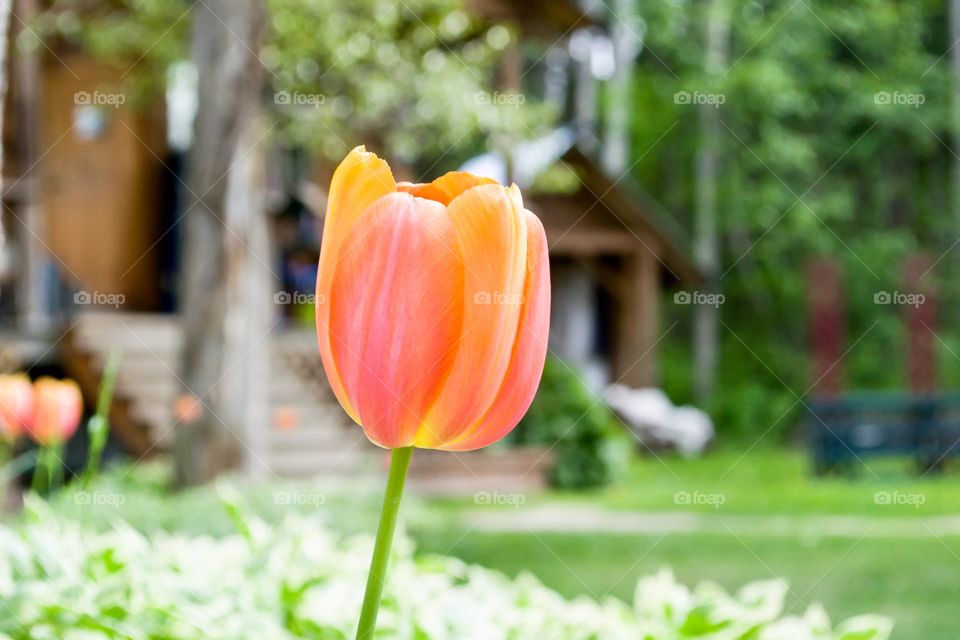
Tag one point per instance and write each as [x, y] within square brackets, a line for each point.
[855, 426]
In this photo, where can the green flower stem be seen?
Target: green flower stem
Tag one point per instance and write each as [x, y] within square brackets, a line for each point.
[41, 472]
[99, 426]
[56, 465]
[399, 463]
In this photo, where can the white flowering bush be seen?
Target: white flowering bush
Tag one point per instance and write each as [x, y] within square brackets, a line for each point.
[60, 579]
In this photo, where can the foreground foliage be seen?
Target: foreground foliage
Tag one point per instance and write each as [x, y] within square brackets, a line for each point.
[60, 579]
[588, 443]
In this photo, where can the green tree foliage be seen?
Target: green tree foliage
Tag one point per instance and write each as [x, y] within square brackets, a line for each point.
[835, 143]
[412, 79]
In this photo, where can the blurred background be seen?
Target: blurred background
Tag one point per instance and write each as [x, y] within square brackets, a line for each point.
[753, 210]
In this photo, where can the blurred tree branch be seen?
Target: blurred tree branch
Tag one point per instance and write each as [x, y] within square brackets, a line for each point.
[955, 63]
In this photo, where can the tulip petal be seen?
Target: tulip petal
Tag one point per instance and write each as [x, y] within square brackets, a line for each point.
[360, 180]
[396, 314]
[58, 408]
[445, 188]
[492, 236]
[529, 350]
[16, 404]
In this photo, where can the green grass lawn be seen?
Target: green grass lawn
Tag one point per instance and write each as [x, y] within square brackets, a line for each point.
[917, 581]
[914, 580]
[766, 481]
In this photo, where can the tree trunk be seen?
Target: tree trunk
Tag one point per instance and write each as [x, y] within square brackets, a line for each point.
[706, 316]
[955, 64]
[33, 315]
[626, 45]
[225, 240]
[585, 90]
[6, 6]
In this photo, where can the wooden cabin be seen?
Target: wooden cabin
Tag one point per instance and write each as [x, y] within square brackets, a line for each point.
[90, 210]
[86, 187]
[612, 254]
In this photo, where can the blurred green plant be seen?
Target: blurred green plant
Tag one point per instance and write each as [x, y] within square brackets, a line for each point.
[98, 427]
[298, 579]
[587, 441]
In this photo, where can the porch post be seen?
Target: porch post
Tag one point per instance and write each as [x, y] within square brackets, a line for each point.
[638, 320]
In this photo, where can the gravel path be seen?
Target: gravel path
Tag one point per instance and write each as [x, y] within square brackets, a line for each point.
[573, 518]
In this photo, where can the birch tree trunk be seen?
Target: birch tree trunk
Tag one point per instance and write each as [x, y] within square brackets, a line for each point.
[225, 240]
[6, 7]
[706, 317]
[626, 46]
[955, 65]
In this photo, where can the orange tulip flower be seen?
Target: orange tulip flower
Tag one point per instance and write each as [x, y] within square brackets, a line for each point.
[58, 407]
[433, 305]
[16, 405]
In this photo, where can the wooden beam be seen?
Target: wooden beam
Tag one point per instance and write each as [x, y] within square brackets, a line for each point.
[593, 242]
[638, 321]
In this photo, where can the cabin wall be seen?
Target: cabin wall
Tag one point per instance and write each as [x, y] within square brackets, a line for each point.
[101, 181]
[596, 254]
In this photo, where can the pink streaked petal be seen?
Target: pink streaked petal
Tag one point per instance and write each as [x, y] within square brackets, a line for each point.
[396, 314]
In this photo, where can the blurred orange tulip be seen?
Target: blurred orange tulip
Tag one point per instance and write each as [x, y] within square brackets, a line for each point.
[58, 407]
[187, 409]
[16, 405]
[433, 305]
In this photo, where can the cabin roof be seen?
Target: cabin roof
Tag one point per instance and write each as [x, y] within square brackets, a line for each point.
[639, 212]
[597, 214]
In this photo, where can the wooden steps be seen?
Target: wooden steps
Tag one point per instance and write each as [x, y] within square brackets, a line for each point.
[309, 433]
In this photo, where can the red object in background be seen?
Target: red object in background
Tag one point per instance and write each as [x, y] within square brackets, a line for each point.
[826, 325]
[919, 302]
